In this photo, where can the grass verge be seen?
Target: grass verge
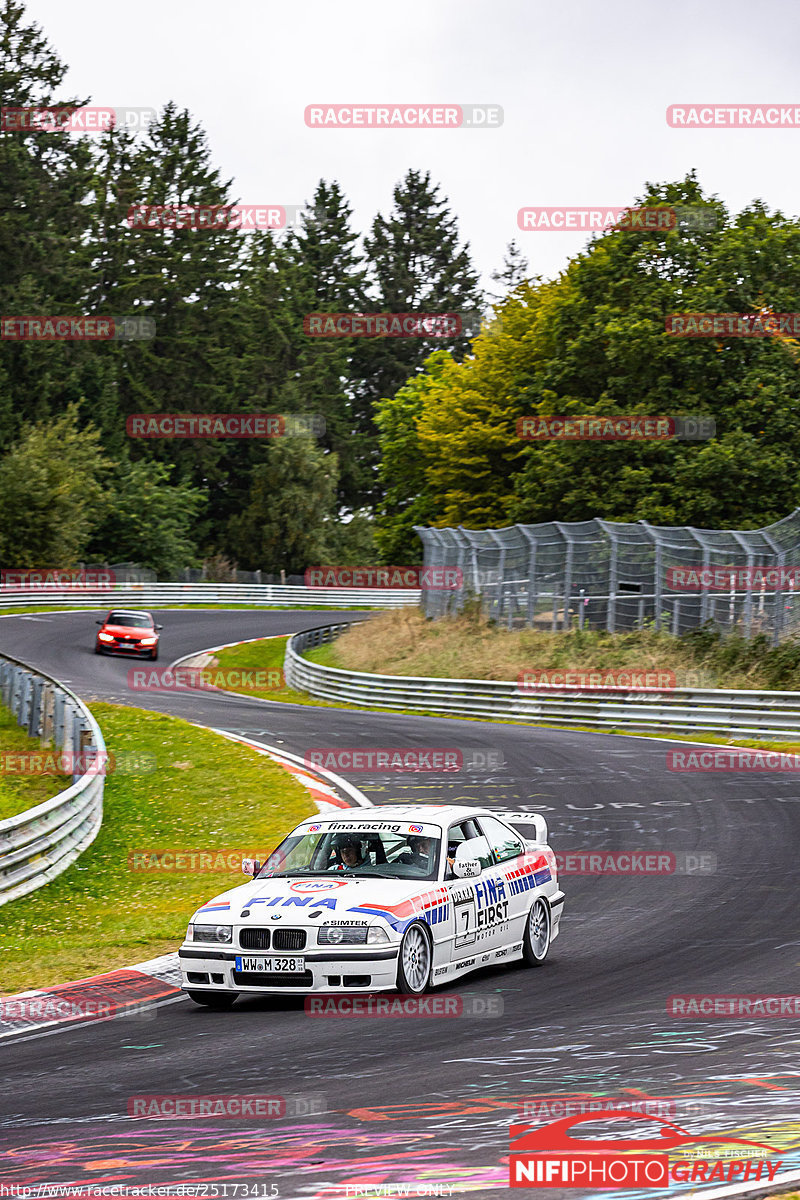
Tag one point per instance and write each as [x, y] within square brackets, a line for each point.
[20, 792]
[403, 642]
[207, 794]
[266, 654]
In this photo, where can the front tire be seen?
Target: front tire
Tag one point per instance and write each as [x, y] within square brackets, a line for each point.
[214, 999]
[536, 941]
[415, 961]
[154, 655]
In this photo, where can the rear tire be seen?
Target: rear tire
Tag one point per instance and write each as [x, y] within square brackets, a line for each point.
[214, 999]
[415, 961]
[538, 928]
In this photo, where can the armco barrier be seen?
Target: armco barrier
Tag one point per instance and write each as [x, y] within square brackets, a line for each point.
[745, 714]
[160, 595]
[39, 844]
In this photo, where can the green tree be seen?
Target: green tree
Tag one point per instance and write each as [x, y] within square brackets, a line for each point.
[51, 493]
[45, 253]
[328, 276]
[292, 494]
[148, 519]
[416, 264]
[593, 342]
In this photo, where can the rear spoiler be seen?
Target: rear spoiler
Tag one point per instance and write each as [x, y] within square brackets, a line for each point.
[531, 826]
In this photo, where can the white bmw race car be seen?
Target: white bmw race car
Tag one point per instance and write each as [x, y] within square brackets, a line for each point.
[395, 896]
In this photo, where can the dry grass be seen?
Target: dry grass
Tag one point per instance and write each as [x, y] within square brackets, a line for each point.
[403, 642]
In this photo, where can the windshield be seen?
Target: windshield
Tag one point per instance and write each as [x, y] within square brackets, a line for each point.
[133, 620]
[386, 853]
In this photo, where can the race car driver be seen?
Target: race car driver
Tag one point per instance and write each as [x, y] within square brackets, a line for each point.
[349, 856]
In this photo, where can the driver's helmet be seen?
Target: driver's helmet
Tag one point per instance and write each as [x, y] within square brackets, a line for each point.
[416, 844]
[343, 840]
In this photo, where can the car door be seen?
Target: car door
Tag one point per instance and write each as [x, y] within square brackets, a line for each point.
[506, 905]
[479, 904]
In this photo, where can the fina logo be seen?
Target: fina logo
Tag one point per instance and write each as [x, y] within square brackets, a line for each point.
[320, 885]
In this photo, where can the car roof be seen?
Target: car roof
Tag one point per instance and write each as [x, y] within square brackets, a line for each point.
[436, 814]
[130, 612]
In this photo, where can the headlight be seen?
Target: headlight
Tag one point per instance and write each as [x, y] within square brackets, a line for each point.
[212, 933]
[105, 637]
[148, 641]
[350, 935]
[337, 935]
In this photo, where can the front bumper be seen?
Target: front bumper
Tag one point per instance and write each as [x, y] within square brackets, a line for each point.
[350, 969]
[133, 648]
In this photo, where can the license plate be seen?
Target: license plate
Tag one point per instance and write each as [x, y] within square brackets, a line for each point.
[271, 964]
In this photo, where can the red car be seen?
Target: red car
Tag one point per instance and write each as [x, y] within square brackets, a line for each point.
[125, 632]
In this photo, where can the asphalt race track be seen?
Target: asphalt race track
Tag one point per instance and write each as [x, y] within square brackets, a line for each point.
[430, 1100]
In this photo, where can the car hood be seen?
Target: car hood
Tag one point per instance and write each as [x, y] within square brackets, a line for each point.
[397, 901]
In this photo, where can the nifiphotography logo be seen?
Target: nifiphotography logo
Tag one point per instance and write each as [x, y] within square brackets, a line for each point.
[546, 1156]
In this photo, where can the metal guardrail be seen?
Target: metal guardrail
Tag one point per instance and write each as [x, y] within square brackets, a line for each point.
[39, 844]
[711, 710]
[159, 595]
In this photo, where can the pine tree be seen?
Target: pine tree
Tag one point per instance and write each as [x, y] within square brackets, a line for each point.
[416, 265]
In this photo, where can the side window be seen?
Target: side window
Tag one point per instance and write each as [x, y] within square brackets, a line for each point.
[465, 831]
[503, 841]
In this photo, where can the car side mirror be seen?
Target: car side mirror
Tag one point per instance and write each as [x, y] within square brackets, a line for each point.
[159, 626]
[251, 866]
[99, 622]
[467, 868]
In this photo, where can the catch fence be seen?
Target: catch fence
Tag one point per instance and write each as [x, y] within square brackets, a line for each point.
[624, 575]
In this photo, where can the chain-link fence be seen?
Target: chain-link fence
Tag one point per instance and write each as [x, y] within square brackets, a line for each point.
[623, 575]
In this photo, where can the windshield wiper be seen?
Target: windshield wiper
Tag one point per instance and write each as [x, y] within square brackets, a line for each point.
[294, 874]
